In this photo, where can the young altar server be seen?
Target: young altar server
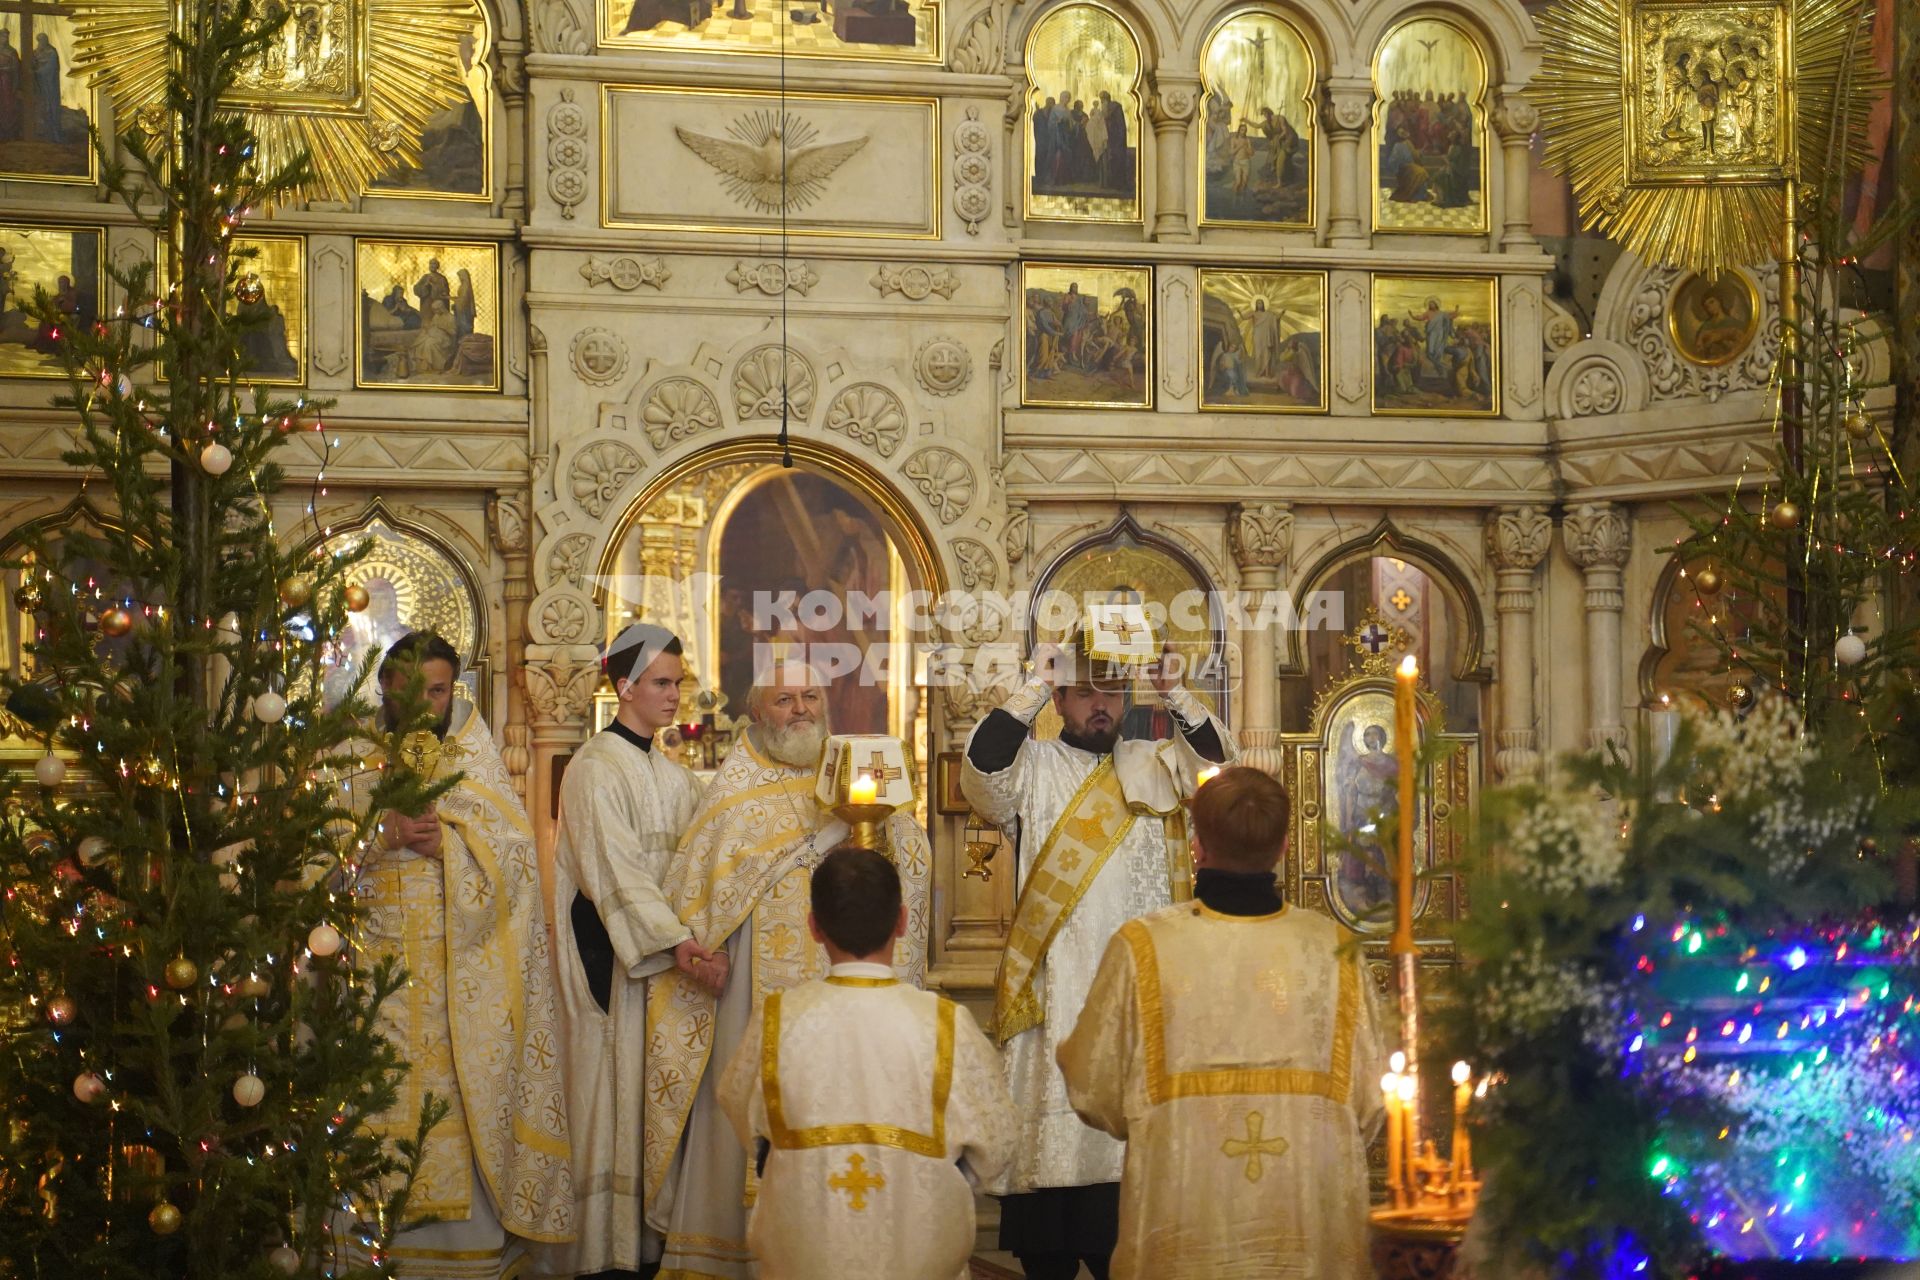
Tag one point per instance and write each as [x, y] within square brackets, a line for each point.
[1233, 1042]
[872, 1109]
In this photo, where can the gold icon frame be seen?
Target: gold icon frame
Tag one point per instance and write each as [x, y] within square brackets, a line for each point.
[1482, 126]
[1310, 135]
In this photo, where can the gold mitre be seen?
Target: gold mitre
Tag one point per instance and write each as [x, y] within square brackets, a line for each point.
[1114, 645]
[876, 757]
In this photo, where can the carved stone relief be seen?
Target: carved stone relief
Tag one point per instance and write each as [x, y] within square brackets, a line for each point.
[677, 408]
[1176, 359]
[567, 559]
[560, 692]
[598, 355]
[978, 569]
[773, 278]
[1262, 535]
[1015, 533]
[626, 274]
[563, 615]
[600, 472]
[1671, 375]
[1561, 330]
[1350, 316]
[914, 282]
[507, 523]
[1592, 387]
[558, 29]
[764, 380]
[771, 162]
[977, 51]
[944, 479]
[1523, 313]
[567, 153]
[942, 366]
[972, 170]
[870, 414]
[331, 275]
[1518, 537]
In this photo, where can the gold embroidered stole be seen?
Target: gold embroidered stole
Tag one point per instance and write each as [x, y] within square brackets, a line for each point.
[1087, 832]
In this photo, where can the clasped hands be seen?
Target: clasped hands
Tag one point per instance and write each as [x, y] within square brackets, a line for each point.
[421, 834]
[708, 968]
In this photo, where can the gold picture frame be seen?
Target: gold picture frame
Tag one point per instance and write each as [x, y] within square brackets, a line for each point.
[278, 355]
[753, 119]
[1708, 91]
[1425, 70]
[414, 347]
[1097, 366]
[1272, 66]
[62, 260]
[1082, 145]
[1262, 341]
[1430, 356]
[1714, 322]
[734, 27]
[476, 56]
[52, 143]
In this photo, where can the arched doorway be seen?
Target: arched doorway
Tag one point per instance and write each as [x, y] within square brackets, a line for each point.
[750, 562]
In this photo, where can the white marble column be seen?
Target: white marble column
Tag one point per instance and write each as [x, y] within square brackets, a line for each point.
[979, 906]
[1598, 537]
[1262, 538]
[1170, 107]
[1345, 111]
[559, 680]
[1517, 541]
[509, 526]
[1515, 121]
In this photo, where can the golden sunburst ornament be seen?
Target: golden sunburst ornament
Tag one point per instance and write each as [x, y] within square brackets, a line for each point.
[352, 82]
[1683, 125]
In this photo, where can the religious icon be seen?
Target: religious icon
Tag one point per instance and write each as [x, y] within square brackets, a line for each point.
[271, 297]
[1257, 83]
[429, 314]
[454, 144]
[1712, 322]
[1430, 130]
[889, 30]
[1088, 336]
[45, 112]
[65, 262]
[1083, 117]
[1436, 346]
[1262, 336]
[1365, 782]
[1707, 97]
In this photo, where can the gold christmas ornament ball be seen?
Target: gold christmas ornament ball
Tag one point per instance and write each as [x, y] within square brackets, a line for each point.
[116, 622]
[252, 987]
[29, 596]
[1784, 516]
[165, 1219]
[182, 973]
[358, 598]
[296, 590]
[61, 1011]
[1707, 581]
[1740, 695]
[1859, 424]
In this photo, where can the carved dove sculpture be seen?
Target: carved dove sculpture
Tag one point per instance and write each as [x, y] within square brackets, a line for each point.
[752, 173]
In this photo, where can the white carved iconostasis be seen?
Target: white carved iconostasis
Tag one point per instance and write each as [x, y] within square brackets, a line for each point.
[1129, 295]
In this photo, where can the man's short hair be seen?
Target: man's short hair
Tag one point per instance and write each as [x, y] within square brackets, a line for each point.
[1240, 818]
[856, 899]
[617, 662]
[413, 649]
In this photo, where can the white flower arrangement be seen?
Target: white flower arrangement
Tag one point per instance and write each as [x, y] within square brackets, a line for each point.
[1565, 845]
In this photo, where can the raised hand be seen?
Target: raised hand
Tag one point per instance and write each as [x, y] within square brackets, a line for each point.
[1048, 663]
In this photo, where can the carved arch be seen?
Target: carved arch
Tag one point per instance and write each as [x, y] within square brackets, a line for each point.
[1502, 28]
[1434, 560]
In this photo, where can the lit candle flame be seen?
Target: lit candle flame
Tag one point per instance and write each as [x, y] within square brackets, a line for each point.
[1409, 668]
[1207, 775]
[864, 790]
[1462, 1073]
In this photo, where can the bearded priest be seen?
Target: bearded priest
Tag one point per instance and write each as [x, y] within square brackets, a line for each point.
[1100, 838]
[740, 884]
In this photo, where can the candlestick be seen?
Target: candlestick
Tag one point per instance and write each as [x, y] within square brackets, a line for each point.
[1406, 680]
[1390, 1088]
[1663, 724]
[1410, 1135]
[1462, 1162]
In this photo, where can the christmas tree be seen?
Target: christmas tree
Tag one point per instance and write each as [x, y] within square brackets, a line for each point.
[189, 1052]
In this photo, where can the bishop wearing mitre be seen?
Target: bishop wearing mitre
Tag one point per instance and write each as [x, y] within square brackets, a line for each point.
[1101, 838]
[452, 894]
[623, 807]
[739, 883]
[1232, 1043]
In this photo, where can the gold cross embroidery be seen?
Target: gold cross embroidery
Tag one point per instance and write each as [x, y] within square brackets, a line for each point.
[856, 1182]
[1088, 827]
[882, 774]
[1254, 1147]
[1273, 984]
[1121, 628]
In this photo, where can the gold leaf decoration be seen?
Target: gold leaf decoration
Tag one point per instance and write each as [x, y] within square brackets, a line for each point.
[1683, 126]
[352, 82]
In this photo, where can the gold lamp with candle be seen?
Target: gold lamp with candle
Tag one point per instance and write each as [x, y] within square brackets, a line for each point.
[863, 780]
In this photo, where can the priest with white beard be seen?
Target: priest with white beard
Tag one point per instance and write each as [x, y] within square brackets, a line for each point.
[1101, 837]
[740, 883]
[623, 808]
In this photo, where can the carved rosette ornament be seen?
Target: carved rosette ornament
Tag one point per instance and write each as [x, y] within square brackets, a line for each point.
[1262, 535]
[598, 355]
[870, 414]
[914, 282]
[773, 278]
[972, 171]
[769, 377]
[942, 366]
[626, 274]
[676, 409]
[944, 479]
[600, 472]
[567, 153]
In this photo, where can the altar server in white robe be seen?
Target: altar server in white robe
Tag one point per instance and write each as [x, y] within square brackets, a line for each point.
[873, 1110]
[623, 806]
[1232, 1043]
[739, 880]
[1101, 839]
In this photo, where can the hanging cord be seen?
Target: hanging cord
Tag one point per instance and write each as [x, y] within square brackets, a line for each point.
[786, 450]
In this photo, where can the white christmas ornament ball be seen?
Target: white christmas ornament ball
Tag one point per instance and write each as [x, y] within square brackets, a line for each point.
[248, 1090]
[215, 459]
[1849, 650]
[324, 940]
[284, 1260]
[49, 769]
[269, 707]
[92, 851]
[88, 1087]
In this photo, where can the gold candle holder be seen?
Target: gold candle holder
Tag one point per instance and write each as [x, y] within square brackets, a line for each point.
[860, 808]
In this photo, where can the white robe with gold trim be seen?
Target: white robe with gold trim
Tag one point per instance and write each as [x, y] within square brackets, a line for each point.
[1056, 1149]
[883, 1110]
[1238, 1057]
[622, 812]
[740, 879]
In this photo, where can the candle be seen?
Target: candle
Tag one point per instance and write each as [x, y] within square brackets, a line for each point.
[1206, 776]
[1406, 679]
[863, 790]
[1390, 1087]
[1462, 1152]
[1410, 1135]
[1663, 723]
